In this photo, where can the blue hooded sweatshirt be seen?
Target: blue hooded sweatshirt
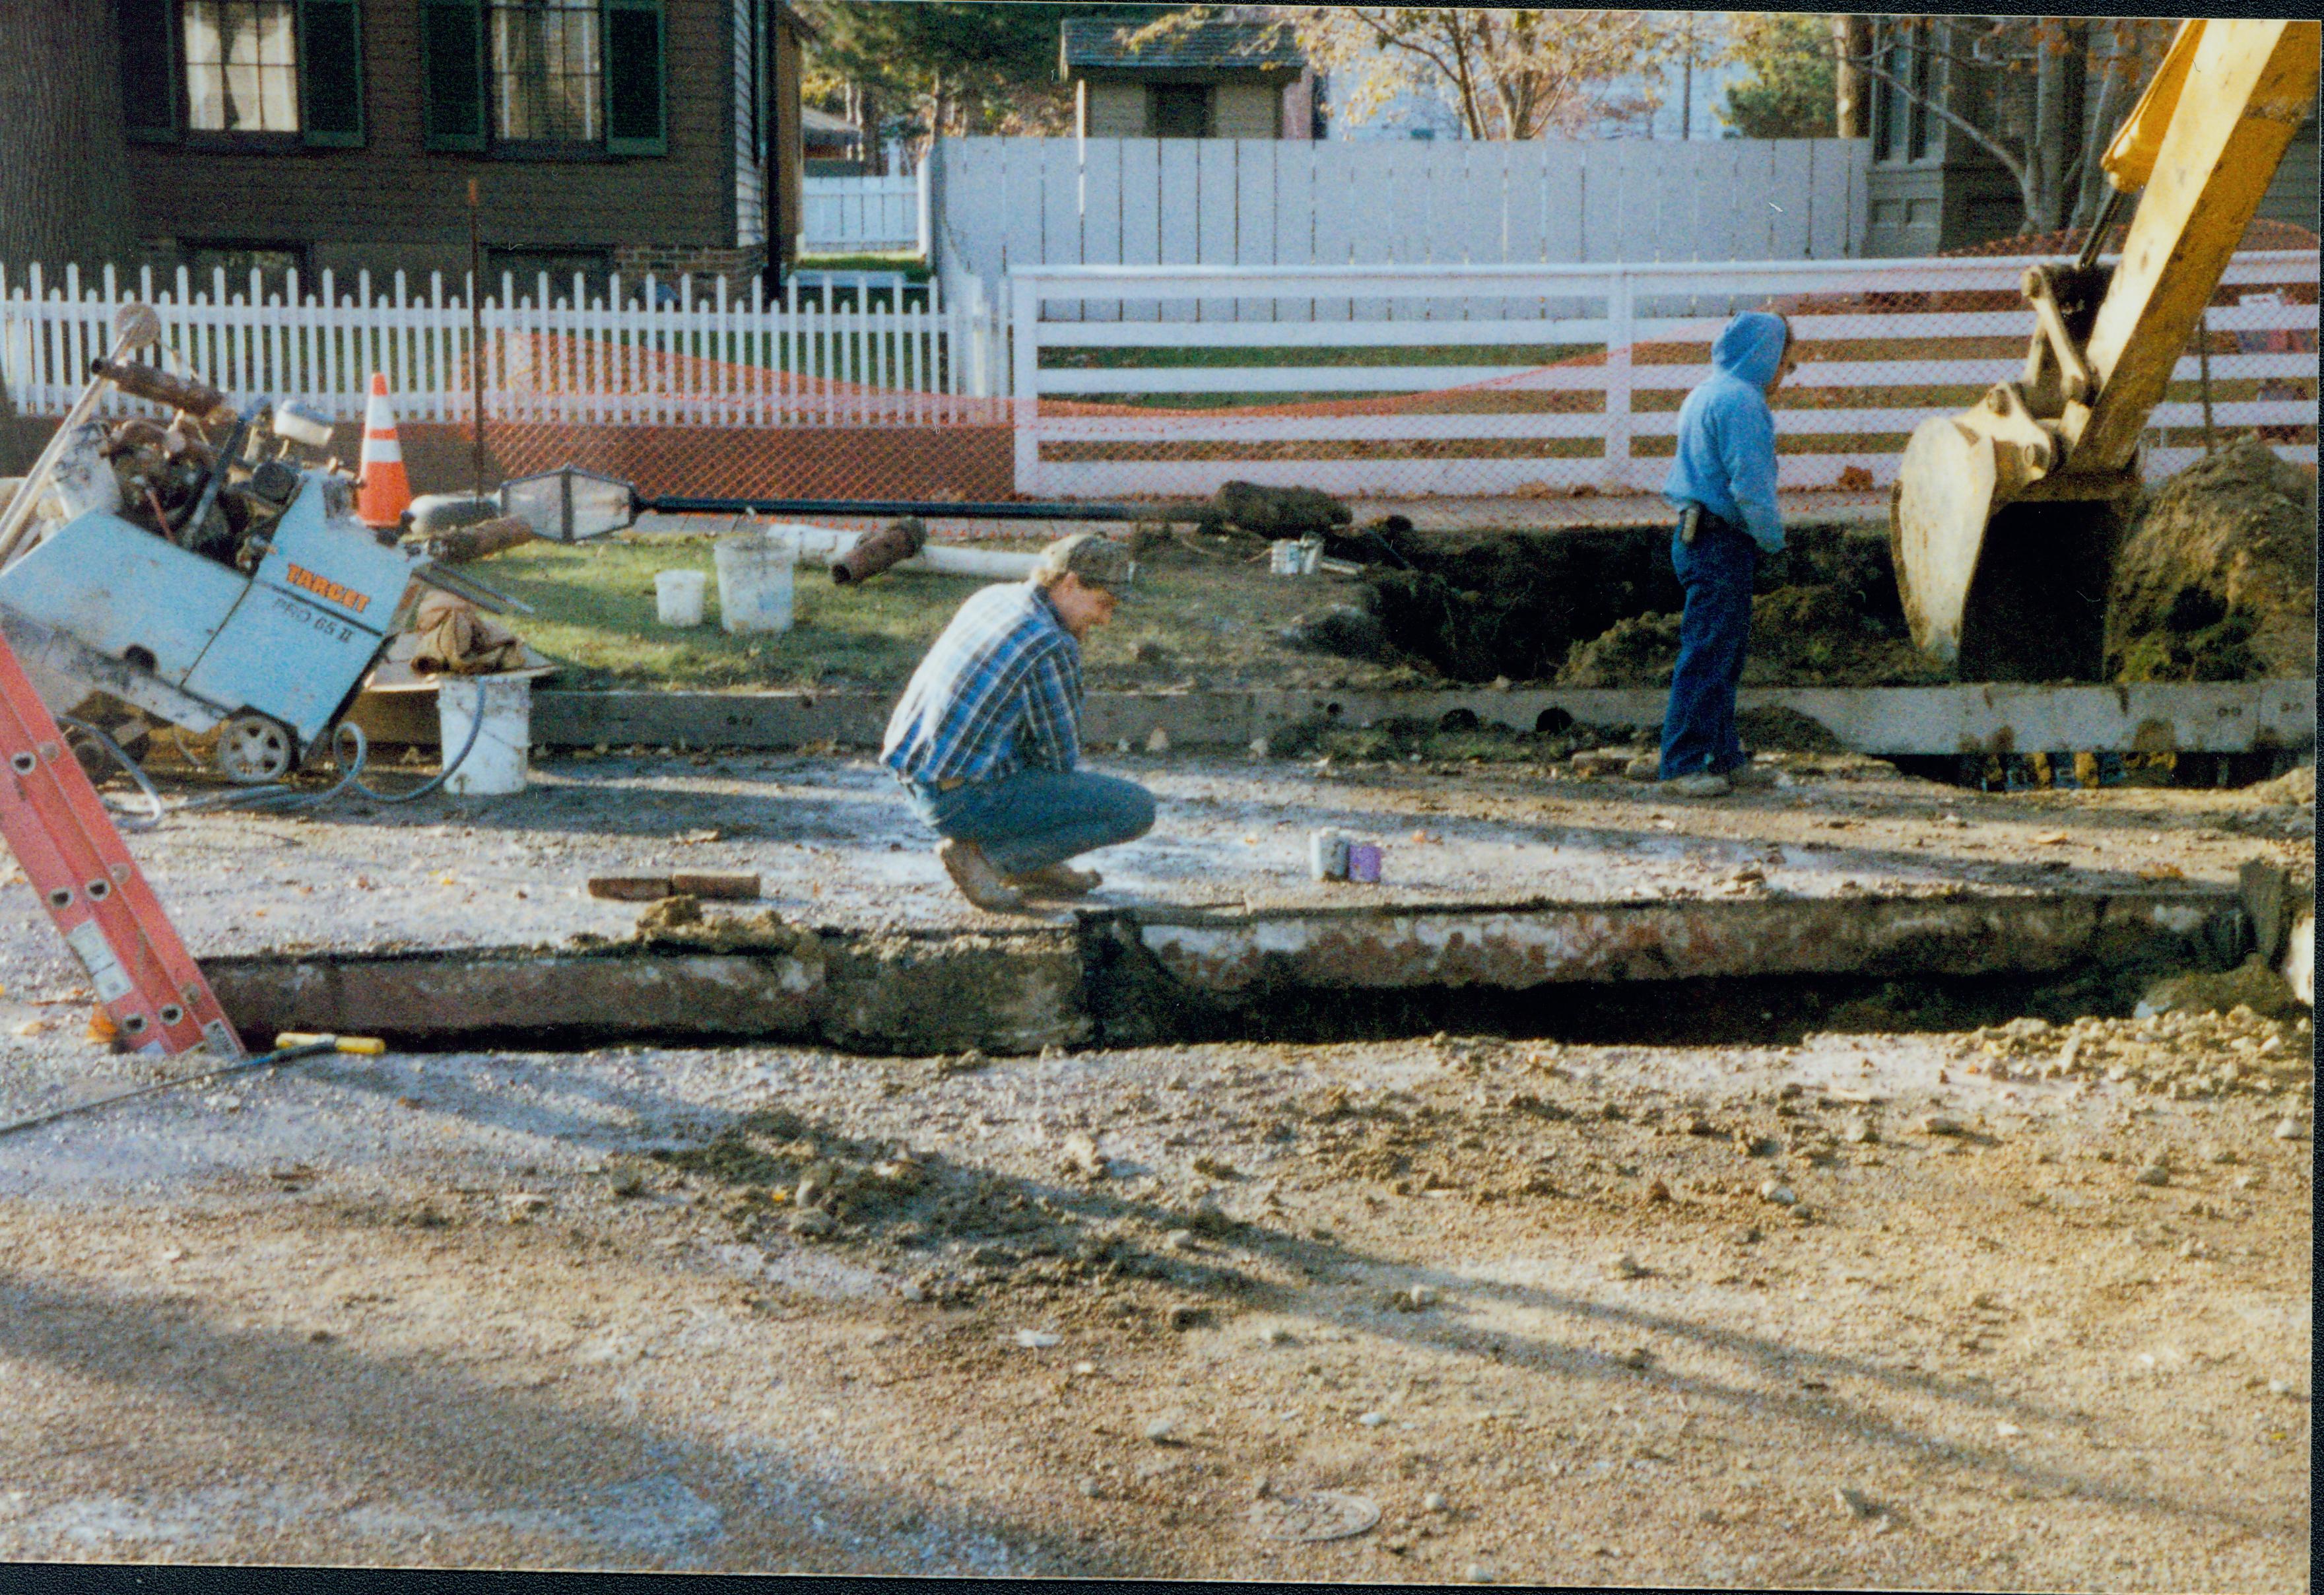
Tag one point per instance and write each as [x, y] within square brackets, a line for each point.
[1726, 459]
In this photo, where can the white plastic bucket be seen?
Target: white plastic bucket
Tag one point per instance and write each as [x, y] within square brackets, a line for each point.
[501, 708]
[754, 580]
[678, 597]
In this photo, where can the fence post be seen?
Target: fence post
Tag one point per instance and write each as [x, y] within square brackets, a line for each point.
[1621, 326]
[921, 204]
[1024, 350]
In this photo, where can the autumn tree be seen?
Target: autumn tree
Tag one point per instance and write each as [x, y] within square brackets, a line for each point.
[1519, 72]
[1791, 91]
[2019, 87]
[935, 67]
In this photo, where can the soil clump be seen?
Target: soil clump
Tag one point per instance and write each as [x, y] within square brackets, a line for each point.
[2217, 577]
[1801, 636]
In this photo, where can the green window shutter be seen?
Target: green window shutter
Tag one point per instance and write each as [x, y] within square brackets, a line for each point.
[330, 72]
[636, 123]
[452, 73]
[148, 69]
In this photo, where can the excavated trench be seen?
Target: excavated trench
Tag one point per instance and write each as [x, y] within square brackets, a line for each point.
[1662, 973]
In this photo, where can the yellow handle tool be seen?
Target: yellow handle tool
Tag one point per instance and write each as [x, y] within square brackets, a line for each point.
[369, 1046]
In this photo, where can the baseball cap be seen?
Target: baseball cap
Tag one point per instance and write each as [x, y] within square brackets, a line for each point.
[1096, 559]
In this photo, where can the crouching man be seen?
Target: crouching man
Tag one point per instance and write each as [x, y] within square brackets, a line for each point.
[987, 736]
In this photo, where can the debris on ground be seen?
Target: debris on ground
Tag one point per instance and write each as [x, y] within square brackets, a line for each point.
[714, 886]
[2216, 580]
[2181, 1054]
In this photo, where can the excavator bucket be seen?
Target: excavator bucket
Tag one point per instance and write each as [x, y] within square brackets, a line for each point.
[2004, 588]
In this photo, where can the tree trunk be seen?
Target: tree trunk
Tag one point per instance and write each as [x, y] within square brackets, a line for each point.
[64, 164]
[1851, 41]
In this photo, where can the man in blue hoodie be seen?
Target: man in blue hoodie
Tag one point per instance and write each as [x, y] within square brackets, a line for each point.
[1722, 482]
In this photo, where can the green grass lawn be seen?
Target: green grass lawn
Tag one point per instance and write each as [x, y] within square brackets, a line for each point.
[1190, 620]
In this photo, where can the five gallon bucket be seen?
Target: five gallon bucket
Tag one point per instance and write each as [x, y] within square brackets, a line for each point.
[496, 763]
[678, 597]
[754, 580]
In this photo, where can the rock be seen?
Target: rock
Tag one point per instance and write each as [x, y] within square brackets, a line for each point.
[525, 1204]
[1477, 1572]
[1080, 1156]
[811, 1222]
[1157, 741]
[1433, 1501]
[1372, 1420]
[2287, 1130]
[1034, 1340]
[1185, 1315]
[1775, 1190]
[2153, 1174]
[1852, 1503]
[1160, 1431]
[1275, 1335]
[1939, 1124]
[1343, 630]
[1626, 1266]
[1859, 1133]
[1090, 1488]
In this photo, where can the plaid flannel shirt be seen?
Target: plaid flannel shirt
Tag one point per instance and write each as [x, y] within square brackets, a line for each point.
[1004, 665]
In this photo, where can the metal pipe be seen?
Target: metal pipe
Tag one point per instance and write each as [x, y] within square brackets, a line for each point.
[135, 326]
[925, 508]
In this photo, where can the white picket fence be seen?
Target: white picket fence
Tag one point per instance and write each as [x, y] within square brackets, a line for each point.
[865, 215]
[1543, 378]
[1015, 204]
[702, 355]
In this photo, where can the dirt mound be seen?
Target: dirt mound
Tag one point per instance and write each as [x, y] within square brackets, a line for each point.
[1802, 636]
[2217, 578]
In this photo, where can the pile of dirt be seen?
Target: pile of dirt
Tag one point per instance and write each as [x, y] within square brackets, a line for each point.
[2182, 1054]
[957, 1228]
[1801, 636]
[2217, 577]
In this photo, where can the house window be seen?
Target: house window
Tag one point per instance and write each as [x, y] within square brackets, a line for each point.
[547, 71]
[263, 69]
[242, 66]
[537, 77]
[1182, 110]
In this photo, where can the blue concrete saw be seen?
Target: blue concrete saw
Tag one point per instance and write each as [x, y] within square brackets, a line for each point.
[193, 573]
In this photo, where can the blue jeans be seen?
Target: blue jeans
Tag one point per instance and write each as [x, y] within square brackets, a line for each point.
[1699, 725]
[1034, 818]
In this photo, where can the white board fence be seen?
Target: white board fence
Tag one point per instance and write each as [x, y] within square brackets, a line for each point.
[704, 356]
[865, 215]
[1520, 394]
[1009, 204]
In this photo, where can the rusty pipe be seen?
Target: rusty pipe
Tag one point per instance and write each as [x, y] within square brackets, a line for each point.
[898, 540]
[197, 399]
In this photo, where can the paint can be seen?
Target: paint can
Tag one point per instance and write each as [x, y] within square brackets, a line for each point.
[1364, 862]
[1327, 855]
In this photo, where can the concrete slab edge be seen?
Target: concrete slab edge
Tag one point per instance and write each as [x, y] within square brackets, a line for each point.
[1996, 717]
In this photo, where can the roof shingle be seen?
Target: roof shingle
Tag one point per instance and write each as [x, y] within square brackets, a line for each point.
[1205, 46]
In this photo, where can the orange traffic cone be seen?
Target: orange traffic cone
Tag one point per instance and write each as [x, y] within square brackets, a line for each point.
[383, 492]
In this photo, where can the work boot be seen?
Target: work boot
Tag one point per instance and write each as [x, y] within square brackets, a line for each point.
[1701, 784]
[978, 881]
[1751, 775]
[1645, 767]
[1054, 880]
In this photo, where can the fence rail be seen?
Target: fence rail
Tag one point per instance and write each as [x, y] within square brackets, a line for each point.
[1549, 379]
[865, 215]
[700, 354]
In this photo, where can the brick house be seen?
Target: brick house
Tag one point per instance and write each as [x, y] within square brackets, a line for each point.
[603, 134]
[1215, 80]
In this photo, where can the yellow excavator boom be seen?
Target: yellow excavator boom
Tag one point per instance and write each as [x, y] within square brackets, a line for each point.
[2006, 517]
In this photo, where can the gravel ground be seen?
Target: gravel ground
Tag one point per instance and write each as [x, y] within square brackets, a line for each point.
[1948, 1309]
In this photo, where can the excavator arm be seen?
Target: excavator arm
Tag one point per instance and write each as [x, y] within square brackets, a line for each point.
[2006, 518]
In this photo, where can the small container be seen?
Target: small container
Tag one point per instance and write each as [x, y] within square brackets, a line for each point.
[677, 597]
[1364, 862]
[1327, 855]
[1283, 558]
[500, 709]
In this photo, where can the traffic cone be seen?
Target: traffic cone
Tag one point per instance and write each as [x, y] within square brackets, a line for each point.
[384, 492]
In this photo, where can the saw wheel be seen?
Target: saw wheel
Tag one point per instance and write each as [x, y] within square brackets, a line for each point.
[252, 750]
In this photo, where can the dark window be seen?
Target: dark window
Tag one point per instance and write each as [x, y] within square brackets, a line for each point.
[634, 80]
[273, 263]
[452, 72]
[1182, 110]
[149, 66]
[1917, 140]
[330, 71]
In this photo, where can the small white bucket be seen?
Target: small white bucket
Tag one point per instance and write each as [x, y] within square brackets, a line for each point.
[678, 597]
[754, 579]
[497, 762]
